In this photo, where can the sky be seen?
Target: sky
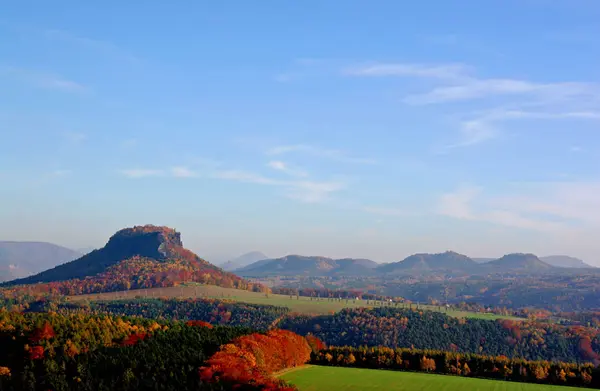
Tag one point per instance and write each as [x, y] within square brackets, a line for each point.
[372, 129]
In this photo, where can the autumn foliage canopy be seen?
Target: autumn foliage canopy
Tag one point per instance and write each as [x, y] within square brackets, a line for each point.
[251, 360]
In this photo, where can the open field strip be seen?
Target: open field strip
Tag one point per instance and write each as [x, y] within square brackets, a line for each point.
[295, 304]
[320, 378]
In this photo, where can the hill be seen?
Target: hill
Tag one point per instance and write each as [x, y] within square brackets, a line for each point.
[20, 259]
[139, 257]
[243, 260]
[565, 261]
[518, 262]
[294, 265]
[448, 261]
[483, 260]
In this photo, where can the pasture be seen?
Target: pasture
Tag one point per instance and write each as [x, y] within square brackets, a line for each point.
[319, 378]
[301, 304]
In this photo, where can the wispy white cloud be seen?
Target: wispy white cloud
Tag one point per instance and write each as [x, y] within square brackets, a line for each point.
[42, 79]
[175, 172]
[474, 132]
[89, 43]
[284, 167]
[444, 72]
[483, 126]
[459, 83]
[332, 154]
[243, 176]
[303, 190]
[530, 100]
[311, 191]
[396, 212]
[142, 173]
[183, 172]
[60, 173]
[474, 88]
[550, 207]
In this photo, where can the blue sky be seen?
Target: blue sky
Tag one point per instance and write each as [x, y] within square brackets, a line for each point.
[338, 128]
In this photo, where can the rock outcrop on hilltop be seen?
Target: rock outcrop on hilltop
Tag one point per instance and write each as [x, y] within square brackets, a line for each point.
[140, 257]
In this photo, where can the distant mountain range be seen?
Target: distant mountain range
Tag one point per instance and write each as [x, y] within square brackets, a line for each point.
[21, 259]
[448, 262]
[243, 260]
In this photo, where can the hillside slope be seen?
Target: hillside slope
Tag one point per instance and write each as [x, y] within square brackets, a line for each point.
[307, 265]
[448, 261]
[518, 262]
[139, 257]
[565, 261]
[20, 259]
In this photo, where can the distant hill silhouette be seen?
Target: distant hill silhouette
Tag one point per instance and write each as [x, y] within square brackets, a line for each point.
[565, 261]
[20, 259]
[518, 262]
[447, 261]
[139, 257]
[483, 260]
[308, 265]
[243, 260]
[423, 263]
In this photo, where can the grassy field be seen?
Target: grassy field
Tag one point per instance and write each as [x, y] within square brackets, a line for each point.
[315, 378]
[301, 304]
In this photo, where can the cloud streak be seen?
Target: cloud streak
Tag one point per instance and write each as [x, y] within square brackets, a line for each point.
[92, 44]
[442, 72]
[304, 190]
[457, 83]
[43, 80]
[285, 168]
[331, 154]
[561, 207]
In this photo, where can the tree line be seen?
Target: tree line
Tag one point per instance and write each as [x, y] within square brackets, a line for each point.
[459, 364]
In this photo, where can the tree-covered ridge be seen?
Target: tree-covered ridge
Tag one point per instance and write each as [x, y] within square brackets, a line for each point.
[431, 330]
[259, 317]
[53, 351]
[390, 327]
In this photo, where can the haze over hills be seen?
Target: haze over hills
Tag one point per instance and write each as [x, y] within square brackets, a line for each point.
[417, 264]
[243, 260]
[518, 262]
[20, 259]
[447, 261]
[139, 257]
[308, 265]
[565, 261]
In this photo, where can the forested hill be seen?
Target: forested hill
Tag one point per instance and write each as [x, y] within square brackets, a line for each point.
[139, 257]
[432, 330]
[390, 327]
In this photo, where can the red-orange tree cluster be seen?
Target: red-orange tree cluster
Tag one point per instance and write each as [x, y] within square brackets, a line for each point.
[250, 361]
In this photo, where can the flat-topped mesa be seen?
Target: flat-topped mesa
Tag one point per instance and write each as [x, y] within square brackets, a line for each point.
[147, 240]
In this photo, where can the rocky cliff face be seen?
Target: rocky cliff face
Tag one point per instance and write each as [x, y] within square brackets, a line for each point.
[147, 240]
